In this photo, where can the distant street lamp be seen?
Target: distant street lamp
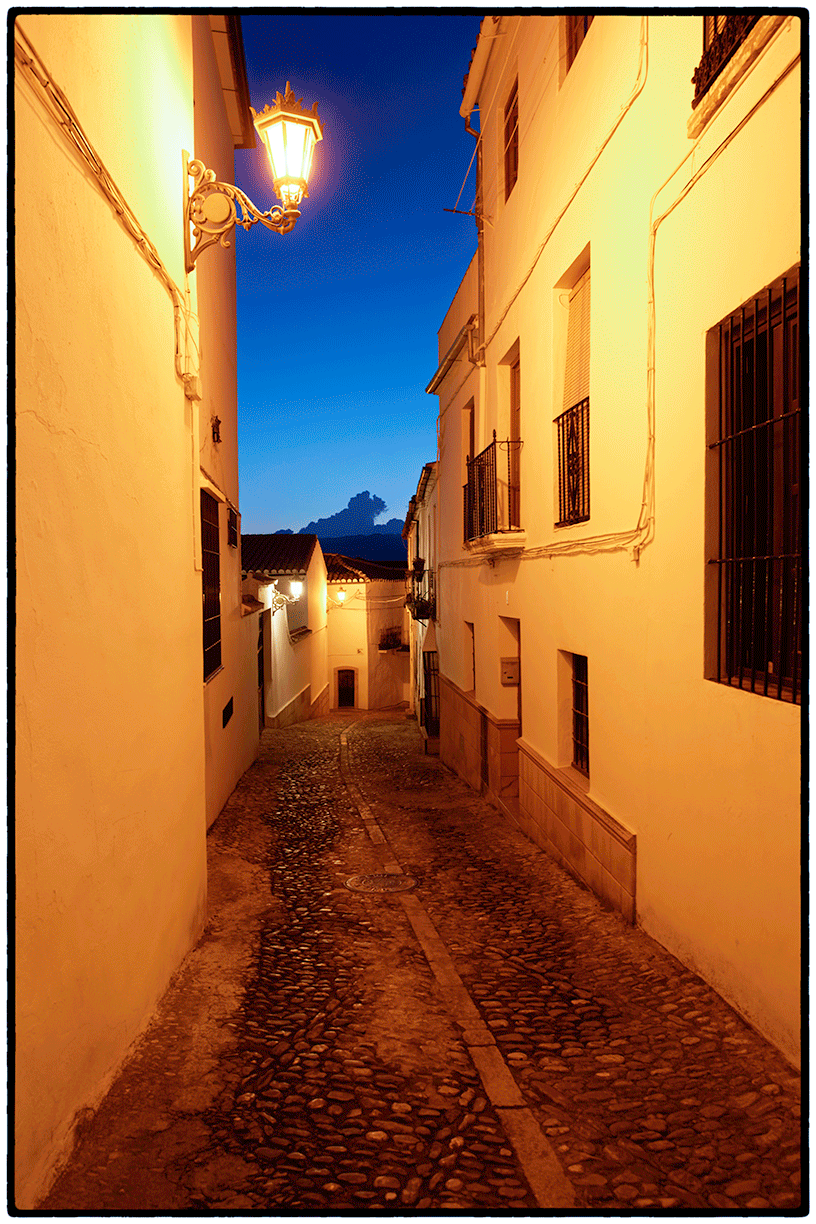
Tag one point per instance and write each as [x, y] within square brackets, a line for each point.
[290, 134]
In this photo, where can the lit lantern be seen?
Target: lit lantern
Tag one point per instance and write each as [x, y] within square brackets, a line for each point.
[296, 588]
[211, 208]
[341, 595]
[290, 134]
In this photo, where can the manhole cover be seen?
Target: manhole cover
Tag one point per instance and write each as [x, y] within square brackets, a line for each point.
[380, 883]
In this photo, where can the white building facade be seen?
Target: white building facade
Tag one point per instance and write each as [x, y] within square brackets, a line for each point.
[293, 638]
[619, 607]
[134, 720]
[421, 538]
[368, 634]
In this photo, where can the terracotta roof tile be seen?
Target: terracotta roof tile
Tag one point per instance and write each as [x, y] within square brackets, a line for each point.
[356, 569]
[277, 553]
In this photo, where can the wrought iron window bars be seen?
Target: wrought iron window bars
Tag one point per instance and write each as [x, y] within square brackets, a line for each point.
[722, 35]
[573, 464]
[757, 455]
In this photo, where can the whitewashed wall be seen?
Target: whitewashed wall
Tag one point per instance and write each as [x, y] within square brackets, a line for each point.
[295, 667]
[706, 777]
[230, 749]
[110, 801]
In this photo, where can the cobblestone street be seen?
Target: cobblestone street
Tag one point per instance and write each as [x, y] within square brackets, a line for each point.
[487, 1040]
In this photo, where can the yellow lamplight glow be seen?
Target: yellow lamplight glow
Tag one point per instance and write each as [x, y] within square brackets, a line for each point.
[341, 595]
[211, 208]
[296, 588]
[290, 134]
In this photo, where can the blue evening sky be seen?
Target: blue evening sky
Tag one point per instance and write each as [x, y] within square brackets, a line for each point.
[338, 320]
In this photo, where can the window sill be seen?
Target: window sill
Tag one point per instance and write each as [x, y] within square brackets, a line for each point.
[785, 697]
[739, 64]
[504, 543]
[298, 634]
[574, 780]
[212, 675]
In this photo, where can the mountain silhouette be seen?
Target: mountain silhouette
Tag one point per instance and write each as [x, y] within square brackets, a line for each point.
[385, 549]
[356, 520]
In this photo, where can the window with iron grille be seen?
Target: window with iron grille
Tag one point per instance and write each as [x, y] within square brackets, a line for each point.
[580, 714]
[211, 583]
[577, 26]
[511, 142]
[723, 33]
[430, 704]
[572, 426]
[232, 528]
[754, 590]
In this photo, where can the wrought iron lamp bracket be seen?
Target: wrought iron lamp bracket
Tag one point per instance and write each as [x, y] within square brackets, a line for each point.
[212, 209]
[278, 600]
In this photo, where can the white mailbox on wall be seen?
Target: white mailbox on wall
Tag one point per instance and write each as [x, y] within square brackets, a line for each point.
[510, 671]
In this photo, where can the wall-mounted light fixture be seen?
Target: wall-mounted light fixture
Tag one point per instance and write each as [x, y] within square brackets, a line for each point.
[290, 134]
[341, 595]
[278, 600]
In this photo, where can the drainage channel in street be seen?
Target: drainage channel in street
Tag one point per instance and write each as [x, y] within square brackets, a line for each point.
[380, 883]
[534, 1152]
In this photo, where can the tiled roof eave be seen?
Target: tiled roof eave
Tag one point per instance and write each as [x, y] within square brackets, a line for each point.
[277, 553]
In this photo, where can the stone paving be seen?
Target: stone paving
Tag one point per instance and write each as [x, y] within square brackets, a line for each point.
[336, 1077]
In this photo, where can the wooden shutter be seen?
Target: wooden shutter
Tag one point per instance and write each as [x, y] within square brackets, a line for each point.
[576, 379]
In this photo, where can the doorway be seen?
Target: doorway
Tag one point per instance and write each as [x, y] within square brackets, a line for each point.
[345, 687]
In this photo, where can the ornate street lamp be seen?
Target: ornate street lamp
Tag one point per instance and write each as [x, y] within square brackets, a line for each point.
[290, 134]
[277, 599]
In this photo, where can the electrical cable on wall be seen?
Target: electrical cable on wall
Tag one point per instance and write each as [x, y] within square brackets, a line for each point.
[488, 111]
[643, 66]
[63, 113]
[636, 538]
[617, 540]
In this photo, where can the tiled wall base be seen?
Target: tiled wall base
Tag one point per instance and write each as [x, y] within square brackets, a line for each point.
[480, 748]
[577, 833]
[320, 707]
[301, 708]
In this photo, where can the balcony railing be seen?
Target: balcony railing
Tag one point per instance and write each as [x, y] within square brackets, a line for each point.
[492, 502]
[722, 35]
[421, 601]
[391, 638]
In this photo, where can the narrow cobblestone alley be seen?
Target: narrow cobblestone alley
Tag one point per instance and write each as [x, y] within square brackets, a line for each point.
[489, 1039]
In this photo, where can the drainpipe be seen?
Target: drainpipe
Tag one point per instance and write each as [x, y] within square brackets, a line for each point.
[479, 354]
[477, 208]
[473, 83]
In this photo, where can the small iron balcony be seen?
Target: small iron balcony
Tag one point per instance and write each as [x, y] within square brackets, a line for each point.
[491, 503]
[723, 33]
[421, 602]
[391, 638]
